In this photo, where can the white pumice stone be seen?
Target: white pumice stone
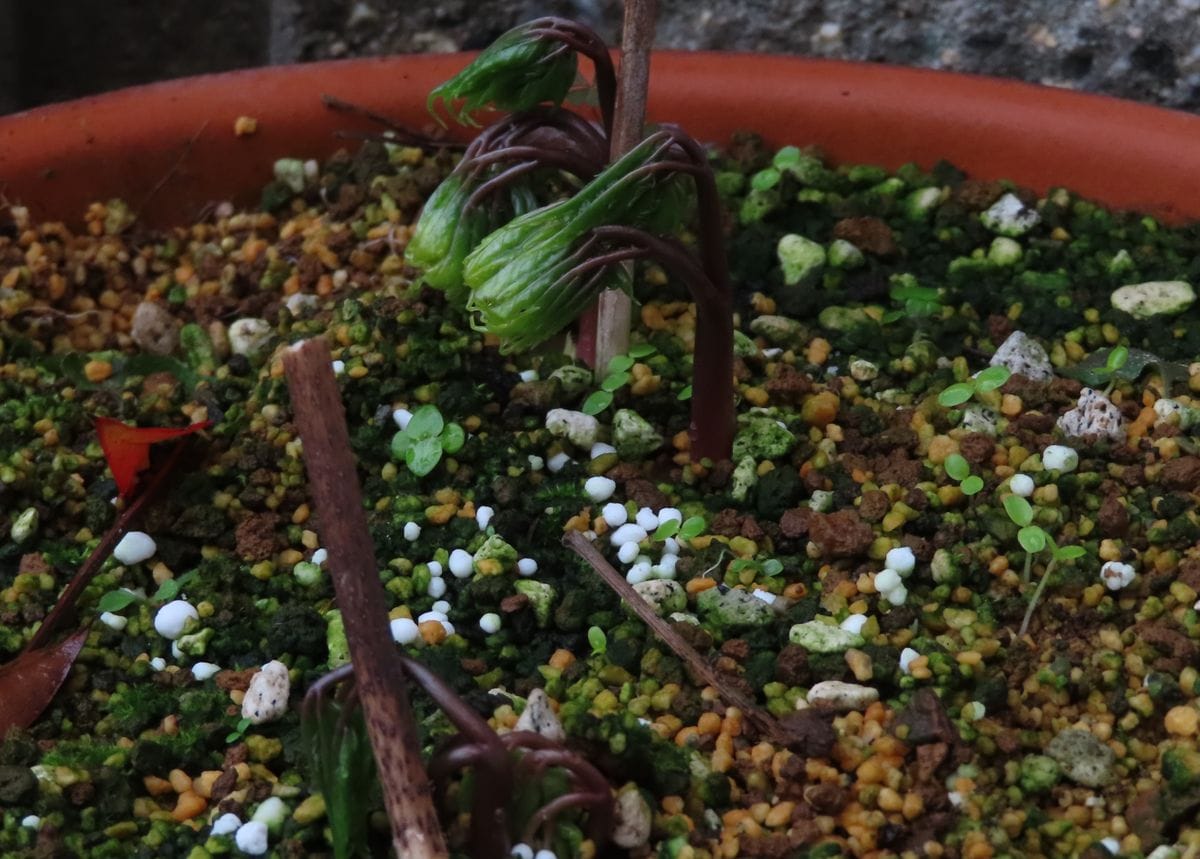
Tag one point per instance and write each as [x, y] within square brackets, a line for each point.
[114, 621]
[527, 566]
[1113, 846]
[203, 670]
[158, 663]
[577, 427]
[483, 515]
[402, 417]
[1059, 457]
[539, 717]
[522, 851]
[404, 630]
[436, 588]
[490, 623]
[252, 838]
[615, 514]
[536, 463]
[528, 375]
[135, 547]
[907, 655]
[600, 489]
[299, 303]
[557, 462]
[435, 569]
[900, 559]
[226, 823]
[320, 556]
[669, 514]
[439, 616]
[628, 533]
[461, 564]
[545, 854]
[638, 573]
[1116, 575]
[628, 553]
[442, 606]
[763, 596]
[1021, 484]
[272, 811]
[339, 367]
[249, 336]
[172, 619]
[601, 448]
[897, 595]
[647, 518]
[176, 653]
[31, 821]
[448, 626]
[886, 580]
[412, 531]
[267, 697]
[670, 546]
[854, 623]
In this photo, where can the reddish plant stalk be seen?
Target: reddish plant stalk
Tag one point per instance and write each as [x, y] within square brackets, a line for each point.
[382, 689]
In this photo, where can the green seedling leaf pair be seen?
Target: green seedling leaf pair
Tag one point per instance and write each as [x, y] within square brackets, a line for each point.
[618, 376]
[769, 568]
[427, 436]
[597, 640]
[1034, 539]
[986, 380]
[959, 469]
[119, 600]
[916, 302]
[690, 528]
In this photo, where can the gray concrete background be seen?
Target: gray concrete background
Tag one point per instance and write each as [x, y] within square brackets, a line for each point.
[1147, 50]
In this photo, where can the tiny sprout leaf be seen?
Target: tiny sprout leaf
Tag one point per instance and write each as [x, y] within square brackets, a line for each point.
[765, 180]
[1032, 538]
[972, 485]
[426, 422]
[423, 456]
[1116, 358]
[619, 364]
[453, 438]
[957, 467]
[772, 567]
[614, 381]
[597, 402]
[401, 442]
[1018, 510]
[685, 393]
[640, 350]
[956, 395]
[117, 600]
[667, 529]
[693, 526]
[992, 378]
[597, 640]
[1069, 553]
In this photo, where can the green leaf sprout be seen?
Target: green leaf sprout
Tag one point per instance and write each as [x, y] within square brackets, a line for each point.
[426, 437]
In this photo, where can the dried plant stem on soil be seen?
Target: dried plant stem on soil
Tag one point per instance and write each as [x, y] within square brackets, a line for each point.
[381, 685]
[763, 721]
[604, 329]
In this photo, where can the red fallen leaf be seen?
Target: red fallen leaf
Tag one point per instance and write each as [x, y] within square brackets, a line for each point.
[29, 683]
[127, 449]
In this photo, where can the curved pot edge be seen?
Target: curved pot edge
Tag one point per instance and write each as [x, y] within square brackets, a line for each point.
[169, 148]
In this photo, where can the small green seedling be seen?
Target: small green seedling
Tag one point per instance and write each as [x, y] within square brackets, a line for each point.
[119, 600]
[767, 568]
[959, 469]
[618, 376]
[1117, 358]
[1034, 539]
[984, 381]
[597, 640]
[239, 731]
[688, 529]
[916, 302]
[427, 436]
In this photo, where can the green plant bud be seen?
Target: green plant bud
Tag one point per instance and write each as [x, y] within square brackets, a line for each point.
[518, 71]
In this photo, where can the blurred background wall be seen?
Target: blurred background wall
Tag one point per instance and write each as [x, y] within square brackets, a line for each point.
[1148, 50]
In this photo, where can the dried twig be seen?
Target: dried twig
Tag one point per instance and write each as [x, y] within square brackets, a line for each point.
[604, 329]
[762, 720]
[382, 688]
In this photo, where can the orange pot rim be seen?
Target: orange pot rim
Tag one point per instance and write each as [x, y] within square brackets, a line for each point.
[169, 149]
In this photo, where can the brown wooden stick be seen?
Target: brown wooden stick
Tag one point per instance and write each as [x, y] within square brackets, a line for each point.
[610, 321]
[382, 689]
[764, 721]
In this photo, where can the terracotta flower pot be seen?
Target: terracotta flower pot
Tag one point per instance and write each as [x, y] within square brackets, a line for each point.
[169, 149]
